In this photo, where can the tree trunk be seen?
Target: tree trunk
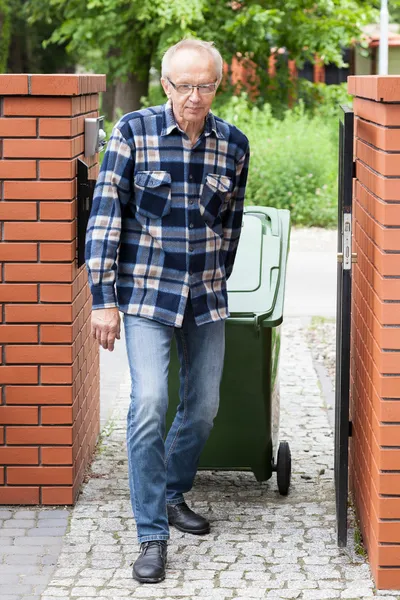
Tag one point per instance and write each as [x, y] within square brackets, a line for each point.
[108, 102]
[17, 62]
[18, 59]
[5, 34]
[128, 93]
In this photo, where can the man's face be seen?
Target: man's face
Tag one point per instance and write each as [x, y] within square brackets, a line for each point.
[191, 67]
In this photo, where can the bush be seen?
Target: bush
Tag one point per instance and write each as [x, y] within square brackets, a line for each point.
[293, 161]
[323, 99]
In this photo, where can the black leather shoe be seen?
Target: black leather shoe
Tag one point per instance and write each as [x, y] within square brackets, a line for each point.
[184, 519]
[150, 566]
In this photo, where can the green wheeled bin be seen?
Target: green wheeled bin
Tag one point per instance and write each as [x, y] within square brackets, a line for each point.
[245, 435]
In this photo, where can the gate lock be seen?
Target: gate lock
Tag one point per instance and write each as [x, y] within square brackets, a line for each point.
[346, 257]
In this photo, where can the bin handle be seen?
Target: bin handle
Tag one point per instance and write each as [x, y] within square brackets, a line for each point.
[271, 213]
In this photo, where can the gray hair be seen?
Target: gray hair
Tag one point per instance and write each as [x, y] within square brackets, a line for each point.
[194, 44]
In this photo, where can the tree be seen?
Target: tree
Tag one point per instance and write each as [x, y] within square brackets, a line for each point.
[21, 43]
[124, 38]
[394, 11]
[118, 37]
[5, 33]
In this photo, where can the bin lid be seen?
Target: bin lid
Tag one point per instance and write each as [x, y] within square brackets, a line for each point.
[254, 282]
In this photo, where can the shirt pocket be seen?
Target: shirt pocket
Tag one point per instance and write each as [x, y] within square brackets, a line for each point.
[215, 196]
[153, 193]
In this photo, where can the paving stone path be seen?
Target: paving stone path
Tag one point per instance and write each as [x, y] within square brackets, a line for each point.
[30, 543]
[261, 545]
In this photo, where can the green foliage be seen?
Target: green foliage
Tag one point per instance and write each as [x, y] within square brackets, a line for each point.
[155, 97]
[116, 36]
[323, 28]
[359, 546]
[23, 43]
[323, 99]
[108, 127]
[5, 33]
[294, 153]
[123, 36]
[304, 27]
[394, 11]
[316, 97]
[293, 161]
[294, 158]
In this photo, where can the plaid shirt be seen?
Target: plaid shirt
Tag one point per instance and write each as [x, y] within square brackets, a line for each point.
[166, 217]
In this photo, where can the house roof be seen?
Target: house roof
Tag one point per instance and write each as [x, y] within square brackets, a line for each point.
[372, 34]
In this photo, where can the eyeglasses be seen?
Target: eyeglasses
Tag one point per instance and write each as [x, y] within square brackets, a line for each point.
[187, 88]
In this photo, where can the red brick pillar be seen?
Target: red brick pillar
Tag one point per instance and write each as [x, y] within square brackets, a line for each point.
[319, 71]
[375, 349]
[49, 408]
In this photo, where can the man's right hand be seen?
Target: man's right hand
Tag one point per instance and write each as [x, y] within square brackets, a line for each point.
[106, 326]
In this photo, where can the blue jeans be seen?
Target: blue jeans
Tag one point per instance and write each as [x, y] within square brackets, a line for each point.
[161, 472]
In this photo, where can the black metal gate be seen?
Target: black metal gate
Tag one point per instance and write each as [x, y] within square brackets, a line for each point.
[85, 197]
[343, 321]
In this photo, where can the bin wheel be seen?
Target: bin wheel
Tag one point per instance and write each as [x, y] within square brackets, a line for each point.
[284, 468]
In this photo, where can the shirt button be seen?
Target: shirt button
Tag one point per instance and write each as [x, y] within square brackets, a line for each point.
[190, 248]
[190, 201]
[191, 225]
[191, 177]
[190, 272]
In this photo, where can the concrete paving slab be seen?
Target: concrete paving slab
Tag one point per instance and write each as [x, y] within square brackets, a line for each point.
[27, 561]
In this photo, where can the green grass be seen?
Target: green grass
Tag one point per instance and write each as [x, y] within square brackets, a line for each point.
[317, 321]
[293, 161]
[358, 542]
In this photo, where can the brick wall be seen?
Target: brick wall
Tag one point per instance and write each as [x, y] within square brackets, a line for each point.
[49, 375]
[375, 348]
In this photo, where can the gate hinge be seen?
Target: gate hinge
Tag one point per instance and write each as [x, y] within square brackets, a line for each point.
[350, 428]
[354, 174]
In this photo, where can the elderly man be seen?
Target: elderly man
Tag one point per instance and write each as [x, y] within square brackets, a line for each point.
[161, 243]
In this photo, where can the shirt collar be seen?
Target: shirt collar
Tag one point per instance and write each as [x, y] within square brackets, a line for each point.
[169, 123]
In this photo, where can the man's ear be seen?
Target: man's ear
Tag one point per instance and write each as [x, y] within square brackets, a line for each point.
[166, 86]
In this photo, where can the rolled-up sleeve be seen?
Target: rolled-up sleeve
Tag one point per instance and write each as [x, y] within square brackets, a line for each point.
[112, 192]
